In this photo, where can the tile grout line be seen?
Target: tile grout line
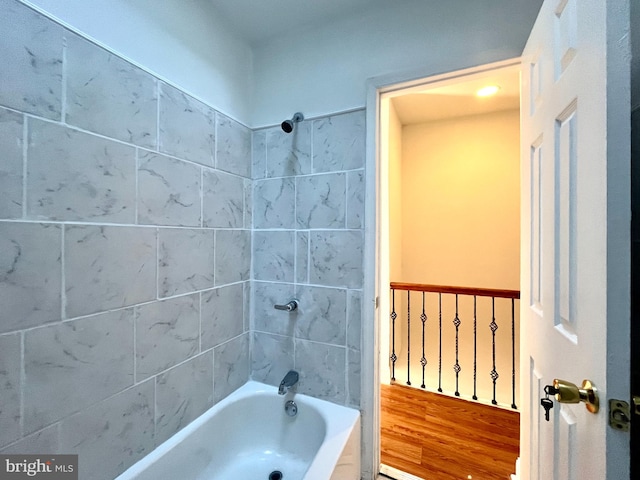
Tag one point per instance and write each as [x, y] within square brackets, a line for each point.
[134, 314]
[63, 271]
[157, 259]
[157, 115]
[155, 409]
[23, 382]
[25, 147]
[137, 188]
[200, 322]
[201, 197]
[63, 93]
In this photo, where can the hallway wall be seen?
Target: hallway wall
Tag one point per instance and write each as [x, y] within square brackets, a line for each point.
[460, 223]
[461, 201]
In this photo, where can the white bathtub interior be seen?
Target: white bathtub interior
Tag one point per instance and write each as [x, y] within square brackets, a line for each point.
[248, 435]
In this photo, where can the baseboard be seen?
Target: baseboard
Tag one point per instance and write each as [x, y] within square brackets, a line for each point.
[396, 474]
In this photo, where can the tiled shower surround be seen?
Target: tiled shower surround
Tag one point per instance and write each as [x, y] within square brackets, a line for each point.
[144, 239]
[308, 204]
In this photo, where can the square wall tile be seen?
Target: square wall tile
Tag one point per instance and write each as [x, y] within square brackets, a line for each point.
[271, 357]
[265, 317]
[222, 314]
[233, 146]
[273, 255]
[322, 370]
[187, 127]
[289, 154]
[258, 154]
[274, 203]
[11, 127]
[233, 256]
[112, 435]
[336, 258]
[108, 267]
[354, 319]
[32, 46]
[247, 295]
[322, 314]
[222, 199]
[91, 357]
[355, 199]
[108, 95]
[302, 257]
[31, 271]
[168, 191]
[321, 201]
[183, 394]
[45, 440]
[185, 261]
[248, 204]
[10, 366]
[339, 142]
[73, 175]
[231, 366]
[354, 377]
[167, 333]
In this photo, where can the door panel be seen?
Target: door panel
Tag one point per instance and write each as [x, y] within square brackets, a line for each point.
[575, 285]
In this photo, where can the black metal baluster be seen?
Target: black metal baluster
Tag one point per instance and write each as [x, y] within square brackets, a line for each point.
[440, 342]
[393, 336]
[423, 360]
[513, 353]
[475, 350]
[456, 367]
[408, 337]
[494, 326]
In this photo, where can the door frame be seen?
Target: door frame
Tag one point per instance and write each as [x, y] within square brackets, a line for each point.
[374, 245]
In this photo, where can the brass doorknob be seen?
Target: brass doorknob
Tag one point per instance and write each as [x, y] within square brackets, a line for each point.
[567, 392]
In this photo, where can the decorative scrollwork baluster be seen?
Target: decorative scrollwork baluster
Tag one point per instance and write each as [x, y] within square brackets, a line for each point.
[423, 318]
[513, 354]
[394, 315]
[494, 326]
[440, 342]
[456, 367]
[408, 337]
[475, 349]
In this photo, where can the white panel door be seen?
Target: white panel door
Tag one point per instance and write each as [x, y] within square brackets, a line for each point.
[575, 235]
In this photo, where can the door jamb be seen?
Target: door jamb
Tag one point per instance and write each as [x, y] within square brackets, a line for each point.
[372, 288]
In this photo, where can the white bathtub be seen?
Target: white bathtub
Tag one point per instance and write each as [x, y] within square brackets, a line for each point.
[248, 436]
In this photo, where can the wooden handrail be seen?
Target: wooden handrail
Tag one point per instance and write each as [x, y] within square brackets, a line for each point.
[479, 292]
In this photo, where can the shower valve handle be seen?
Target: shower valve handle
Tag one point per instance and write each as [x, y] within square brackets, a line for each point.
[288, 307]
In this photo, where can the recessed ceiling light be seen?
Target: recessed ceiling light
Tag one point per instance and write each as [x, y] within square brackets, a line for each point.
[488, 91]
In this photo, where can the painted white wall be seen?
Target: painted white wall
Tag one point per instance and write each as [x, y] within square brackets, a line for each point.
[326, 69]
[181, 41]
[390, 194]
[321, 71]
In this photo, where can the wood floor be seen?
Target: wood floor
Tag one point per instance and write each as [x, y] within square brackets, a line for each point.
[437, 437]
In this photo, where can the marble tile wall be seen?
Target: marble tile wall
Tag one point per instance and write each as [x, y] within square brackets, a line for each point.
[308, 238]
[125, 250]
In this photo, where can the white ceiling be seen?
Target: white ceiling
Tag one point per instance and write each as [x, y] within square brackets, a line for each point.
[257, 21]
[459, 99]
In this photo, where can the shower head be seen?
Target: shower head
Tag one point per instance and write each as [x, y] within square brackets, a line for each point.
[288, 125]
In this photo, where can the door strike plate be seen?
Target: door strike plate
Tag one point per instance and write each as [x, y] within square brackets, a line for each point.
[619, 415]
